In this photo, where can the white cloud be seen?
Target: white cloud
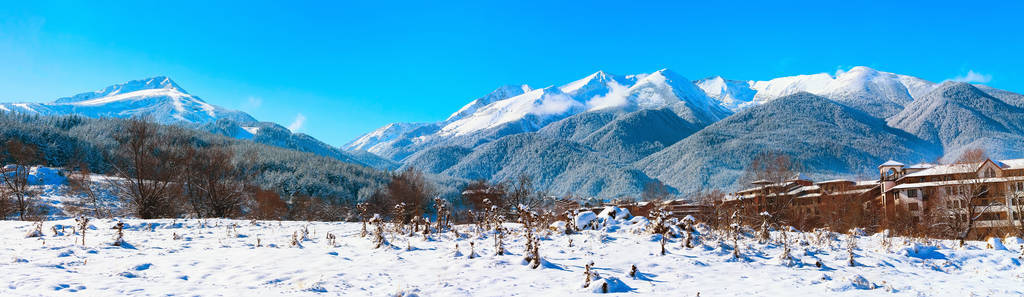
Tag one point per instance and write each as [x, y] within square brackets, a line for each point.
[615, 97]
[973, 77]
[297, 123]
[252, 103]
[555, 104]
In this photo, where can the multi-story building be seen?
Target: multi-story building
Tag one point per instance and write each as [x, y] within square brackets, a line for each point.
[990, 192]
[800, 197]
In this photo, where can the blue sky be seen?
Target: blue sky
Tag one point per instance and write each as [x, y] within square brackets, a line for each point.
[349, 67]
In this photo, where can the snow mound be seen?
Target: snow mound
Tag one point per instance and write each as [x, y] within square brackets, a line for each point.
[921, 251]
[584, 219]
[609, 284]
[40, 175]
[613, 212]
[853, 282]
[1014, 241]
[558, 226]
[996, 244]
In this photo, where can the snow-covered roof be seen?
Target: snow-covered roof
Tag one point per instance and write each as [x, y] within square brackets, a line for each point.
[891, 163]
[958, 182]
[832, 181]
[803, 189]
[930, 169]
[866, 182]
[799, 176]
[1013, 163]
[947, 169]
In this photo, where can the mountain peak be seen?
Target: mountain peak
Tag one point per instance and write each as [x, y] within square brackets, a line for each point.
[595, 80]
[156, 82]
[667, 72]
[501, 93]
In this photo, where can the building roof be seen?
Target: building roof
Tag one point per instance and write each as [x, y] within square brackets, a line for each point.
[962, 168]
[834, 181]
[957, 182]
[947, 169]
[921, 166]
[891, 163]
[1013, 163]
[799, 176]
[799, 189]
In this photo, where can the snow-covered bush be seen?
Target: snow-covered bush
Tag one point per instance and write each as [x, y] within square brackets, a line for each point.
[585, 220]
[995, 243]
[119, 234]
[36, 231]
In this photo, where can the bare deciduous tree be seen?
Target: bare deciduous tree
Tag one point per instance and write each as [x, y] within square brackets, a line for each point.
[655, 191]
[217, 181]
[15, 177]
[413, 189]
[968, 199]
[1016, 198]
[478, 191]
[773, 170]
[148, 167]
[79, 181]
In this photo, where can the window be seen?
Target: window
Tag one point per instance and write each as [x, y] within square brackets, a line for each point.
[912, 193]
[947, 191]
[989, 172]
[914, 206]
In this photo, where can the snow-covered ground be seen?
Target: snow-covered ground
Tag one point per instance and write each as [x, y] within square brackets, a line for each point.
[256, 258]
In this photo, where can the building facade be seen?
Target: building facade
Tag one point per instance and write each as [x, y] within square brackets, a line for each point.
[989, 194]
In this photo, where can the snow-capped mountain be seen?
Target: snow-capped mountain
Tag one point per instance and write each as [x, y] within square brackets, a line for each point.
[661, 127]
[377, 140]
[163, 101]
[491, 117]
[879, 93]
[501, 93]
[732, 94]
[157, 98]
[595, 92]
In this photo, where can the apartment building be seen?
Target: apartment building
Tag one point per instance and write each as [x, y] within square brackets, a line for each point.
[992, 189]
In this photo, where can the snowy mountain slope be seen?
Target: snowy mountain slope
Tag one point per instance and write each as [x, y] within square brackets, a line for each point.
[959, 116]
[826, 138]
[635, 135]
[558, 167]
[1006, 96]
[158, 98]
[535, 108]
[623, 136]
[475, 123]
[378, 141]
[732, 94]
[623, 119]
[162, 100]
[502, 92]
[881, 94]
[384, 140]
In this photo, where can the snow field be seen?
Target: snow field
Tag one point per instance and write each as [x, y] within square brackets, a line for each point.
[246, 258]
